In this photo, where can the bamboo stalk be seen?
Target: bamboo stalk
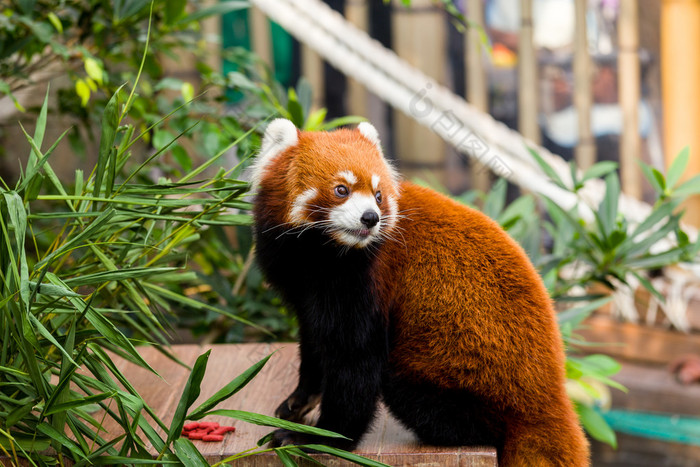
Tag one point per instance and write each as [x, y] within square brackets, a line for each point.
[585, 152]
[629, 94]
[527, 76]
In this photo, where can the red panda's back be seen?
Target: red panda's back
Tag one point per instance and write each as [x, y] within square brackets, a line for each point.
[463, 296]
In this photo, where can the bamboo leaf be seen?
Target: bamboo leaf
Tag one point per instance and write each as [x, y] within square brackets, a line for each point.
[607, 210]
[215, 10]
[675, 171]
[547, 169]
[110, 122]
[596, 425]
[188, 453]
[357, 459]
[598, 170]
[189, 395]
[266, 420]
[688, 188]
[229, 390]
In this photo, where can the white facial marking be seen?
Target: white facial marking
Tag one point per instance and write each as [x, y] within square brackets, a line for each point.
[348, 229]
[280, 134]
[349, 177]
[375, 182]
[297, 213]
[393, 211]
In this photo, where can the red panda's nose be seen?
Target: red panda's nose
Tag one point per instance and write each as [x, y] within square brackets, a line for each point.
[369, 219]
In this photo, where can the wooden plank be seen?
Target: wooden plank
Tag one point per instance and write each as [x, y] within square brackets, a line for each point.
[654, 389]
[644, 452]
[637, 342]
[388, 441]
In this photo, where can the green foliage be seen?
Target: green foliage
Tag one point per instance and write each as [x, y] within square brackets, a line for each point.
[97, 267]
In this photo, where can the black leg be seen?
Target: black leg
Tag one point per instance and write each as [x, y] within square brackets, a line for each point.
[307, 394]
[439, 416]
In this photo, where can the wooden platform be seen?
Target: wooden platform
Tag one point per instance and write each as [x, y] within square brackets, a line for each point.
[388, 442]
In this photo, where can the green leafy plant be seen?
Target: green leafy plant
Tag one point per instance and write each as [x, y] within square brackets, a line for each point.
[93, 271]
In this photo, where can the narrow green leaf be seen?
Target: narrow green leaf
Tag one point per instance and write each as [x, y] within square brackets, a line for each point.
[266, 420]
[39, 131]
[61, 439]
[675, 171]
[215, 10]
[596, 425]
[52, 290]
[688, 188]
[90, 230]
[229, 390]
[118, 275]
[607, 210]
[574, 316]
[599, 169]
[49, 336]
[110, 122]
[188, 453]
[75, 403]
[189, 395]
[18, 220]
[357, 459]
[285, 458]
[648, 173]
[547, 169]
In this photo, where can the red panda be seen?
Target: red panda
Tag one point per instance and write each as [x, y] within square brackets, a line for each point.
[407, 296]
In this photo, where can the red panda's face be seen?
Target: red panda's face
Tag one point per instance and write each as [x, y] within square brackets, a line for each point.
[337, 182]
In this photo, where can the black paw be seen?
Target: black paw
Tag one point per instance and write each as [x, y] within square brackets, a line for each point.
[297, 406]
[284, 437]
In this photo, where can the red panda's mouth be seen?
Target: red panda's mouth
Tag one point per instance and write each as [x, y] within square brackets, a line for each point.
[362, 233]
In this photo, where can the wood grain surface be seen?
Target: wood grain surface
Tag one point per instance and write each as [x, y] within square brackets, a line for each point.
[387, 442]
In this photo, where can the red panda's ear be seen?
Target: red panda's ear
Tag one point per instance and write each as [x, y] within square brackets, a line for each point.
[280, 134]
[368, 131]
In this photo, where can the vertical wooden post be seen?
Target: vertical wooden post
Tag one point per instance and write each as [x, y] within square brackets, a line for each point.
[585, 152]
[527, 76]
[629, 94]
[357, 12]
[477, 86]
[312, 70]
[680, 86]
[260, 36]
[419, 38]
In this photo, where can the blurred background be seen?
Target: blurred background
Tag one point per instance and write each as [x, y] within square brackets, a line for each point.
[589, 80]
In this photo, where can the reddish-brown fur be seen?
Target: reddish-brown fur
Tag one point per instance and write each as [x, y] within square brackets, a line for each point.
[467, 310]
[472, 313]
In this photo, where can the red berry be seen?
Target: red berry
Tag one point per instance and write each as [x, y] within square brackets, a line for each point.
[210, 438]
[197, 435]
[191, 426]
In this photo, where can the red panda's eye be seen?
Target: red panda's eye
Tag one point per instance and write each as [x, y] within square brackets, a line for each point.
[378, 197]
[341, 191]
